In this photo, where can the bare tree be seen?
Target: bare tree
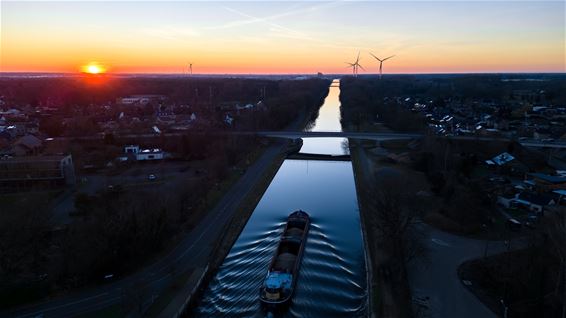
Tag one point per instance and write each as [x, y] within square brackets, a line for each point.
[558, 239]
[22, 229]
[392, 213]
[395, 213]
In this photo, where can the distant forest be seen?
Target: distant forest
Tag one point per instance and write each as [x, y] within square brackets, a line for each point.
[87, 90]
[487, 86]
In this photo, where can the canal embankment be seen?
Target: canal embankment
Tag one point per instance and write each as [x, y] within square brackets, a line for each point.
[233, 228]
[332, 279]
[389, 292]
[269, 163]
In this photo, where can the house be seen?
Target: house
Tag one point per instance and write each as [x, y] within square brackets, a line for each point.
[109, 125]
[150, 154]
[10, 112]
[561, 196]
[507, 163]
[537, 202]
[166, 119]
[500, 159]
[247, 106]
[138, 154]
[228, 106]
[27, 145]
[530, 201]
[506, 201]
[140, 99]
[20, 127]
[546, 182]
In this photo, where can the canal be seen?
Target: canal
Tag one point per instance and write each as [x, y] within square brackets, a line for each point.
[332, 279]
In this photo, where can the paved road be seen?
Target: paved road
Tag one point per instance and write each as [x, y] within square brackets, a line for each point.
[393, 136]
[191, 251]
[337, 134]
[437, 278]
[331, 134]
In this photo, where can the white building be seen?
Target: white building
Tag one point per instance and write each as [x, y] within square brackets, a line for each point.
[144, 154]
[140, 99]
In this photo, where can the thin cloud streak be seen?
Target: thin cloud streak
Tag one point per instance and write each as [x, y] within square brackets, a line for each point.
[252, 19]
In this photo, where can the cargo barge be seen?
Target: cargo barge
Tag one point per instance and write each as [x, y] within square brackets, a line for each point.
[281, 278]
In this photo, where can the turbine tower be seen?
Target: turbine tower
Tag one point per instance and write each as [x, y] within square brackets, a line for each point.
[353, 66]
[381, 63]
[356, 66]
[191, 68]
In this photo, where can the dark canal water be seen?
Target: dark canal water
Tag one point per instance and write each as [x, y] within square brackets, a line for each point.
[332, 278]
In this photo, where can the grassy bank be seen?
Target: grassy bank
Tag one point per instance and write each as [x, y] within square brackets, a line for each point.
[389, 291]
[373, 291]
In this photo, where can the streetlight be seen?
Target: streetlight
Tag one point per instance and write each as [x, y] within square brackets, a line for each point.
[484, 227]
[505, 308]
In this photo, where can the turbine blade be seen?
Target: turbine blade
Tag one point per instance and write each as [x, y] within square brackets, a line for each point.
[387, 58]
[361, 67]
[375, 57]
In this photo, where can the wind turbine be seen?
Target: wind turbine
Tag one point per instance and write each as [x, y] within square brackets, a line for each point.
[191, 68]
[356, 65]
[353, 66]
[381, 63]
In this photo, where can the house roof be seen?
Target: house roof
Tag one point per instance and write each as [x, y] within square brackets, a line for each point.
[36, 159]
[560, 192]
[148, 151]
[29, 141]
[502, 158]
[549, 178]
[538, 199]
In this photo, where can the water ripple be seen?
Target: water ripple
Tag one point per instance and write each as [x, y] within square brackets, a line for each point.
[331, 280]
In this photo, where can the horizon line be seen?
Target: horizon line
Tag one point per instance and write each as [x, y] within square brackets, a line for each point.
[2, 73]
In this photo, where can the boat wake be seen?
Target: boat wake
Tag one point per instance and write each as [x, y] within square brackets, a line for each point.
[328, 284]
[331, 280]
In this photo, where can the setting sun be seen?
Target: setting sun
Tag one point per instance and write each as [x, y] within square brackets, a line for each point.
[93, 69]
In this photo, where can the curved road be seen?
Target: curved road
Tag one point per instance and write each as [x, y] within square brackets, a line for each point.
[438, 278]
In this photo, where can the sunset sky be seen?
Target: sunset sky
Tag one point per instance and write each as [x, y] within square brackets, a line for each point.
[282, 37]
